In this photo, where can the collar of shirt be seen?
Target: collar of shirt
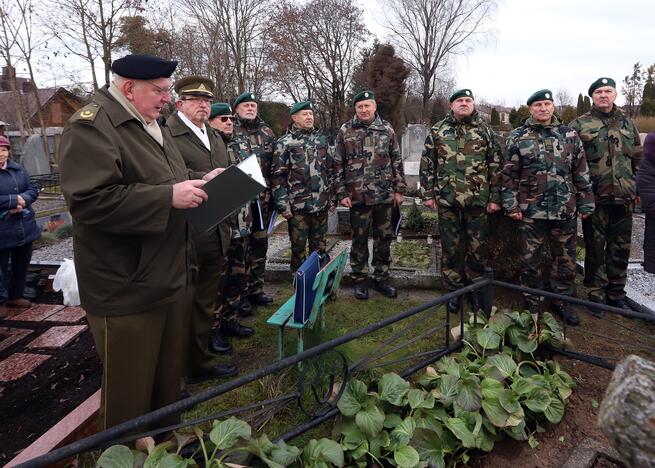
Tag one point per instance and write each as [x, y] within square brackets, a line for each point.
[4, 166]
[151, 128]
[200, 132]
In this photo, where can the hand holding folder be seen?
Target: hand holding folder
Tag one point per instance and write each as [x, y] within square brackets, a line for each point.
[227, 192]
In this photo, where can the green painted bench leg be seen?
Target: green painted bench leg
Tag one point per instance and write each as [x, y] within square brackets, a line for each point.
[300, 347]
[280, 343]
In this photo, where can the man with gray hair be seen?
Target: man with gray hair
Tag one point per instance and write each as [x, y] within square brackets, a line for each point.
[126, 185]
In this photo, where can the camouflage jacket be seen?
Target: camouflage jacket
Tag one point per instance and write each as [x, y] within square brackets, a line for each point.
[301, 172]
[545, 173]
[368, 166]
[460, 163]
[241, 221]
[613, 149]
[255, 136]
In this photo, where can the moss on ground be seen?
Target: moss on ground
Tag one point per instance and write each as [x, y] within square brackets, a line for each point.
[412, 254]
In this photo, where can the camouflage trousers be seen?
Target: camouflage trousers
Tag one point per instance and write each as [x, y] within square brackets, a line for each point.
[561, 237]
[233, 280]
[607, 237]
[256, 256]
[375, 220]
[303, 228]
[464, 233]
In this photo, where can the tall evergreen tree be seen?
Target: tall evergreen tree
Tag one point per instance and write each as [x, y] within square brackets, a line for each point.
[495, 117]
[587, 105]
[579, 109]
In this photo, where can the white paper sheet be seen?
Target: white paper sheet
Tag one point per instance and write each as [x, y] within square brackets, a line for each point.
[250, 166]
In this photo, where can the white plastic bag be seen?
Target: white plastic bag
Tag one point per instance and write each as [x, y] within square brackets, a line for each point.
[66, 281]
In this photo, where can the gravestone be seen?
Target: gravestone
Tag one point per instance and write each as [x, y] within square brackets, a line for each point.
[412, 146]
[627, 413]
[34, 159]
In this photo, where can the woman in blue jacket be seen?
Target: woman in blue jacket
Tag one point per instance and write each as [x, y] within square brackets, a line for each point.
[18, 229]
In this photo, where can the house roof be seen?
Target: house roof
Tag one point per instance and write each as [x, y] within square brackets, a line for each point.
[8, 103]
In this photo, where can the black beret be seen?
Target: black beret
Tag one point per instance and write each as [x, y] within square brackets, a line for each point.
[362, 96]
[461, 93]
[600, 82]
[245, 97]
[541, 95]
[143, 67]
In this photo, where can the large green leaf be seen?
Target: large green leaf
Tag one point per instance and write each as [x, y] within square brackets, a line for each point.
[393, 388]
[353, 398]
[522, 386]
[172, 460]
[370, 420]
[488, 338]
[406, 456]
[379, 442]
[402, 434]
[447, 389]
[448, 365]
[537, 400]
[483, 441]
[500, 322]
[495, 412]
[284, 454]
[510, 402]
[117, 456]
[430, 448]
[517, 432]
[491, 388]
[157, 454]
[418, 398]
[317, 452]
[225, 434]
[469, 395]
[353, 437]
[549, 322]
[391, 420]
[505, 364]
[554, 410]
[459, 429]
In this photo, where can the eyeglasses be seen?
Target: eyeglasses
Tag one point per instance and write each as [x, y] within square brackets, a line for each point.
[161, 91]
[225, 118]
[199, 100]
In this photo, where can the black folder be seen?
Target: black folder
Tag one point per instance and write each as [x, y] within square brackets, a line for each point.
[227, 192]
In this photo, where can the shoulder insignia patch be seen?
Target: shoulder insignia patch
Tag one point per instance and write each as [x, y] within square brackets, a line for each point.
[88, 112]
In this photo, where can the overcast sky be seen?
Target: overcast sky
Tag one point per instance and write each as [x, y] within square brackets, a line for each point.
[559, 44]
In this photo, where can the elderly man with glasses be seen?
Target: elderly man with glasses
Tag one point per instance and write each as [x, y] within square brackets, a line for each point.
[126, 185]
[202, 151]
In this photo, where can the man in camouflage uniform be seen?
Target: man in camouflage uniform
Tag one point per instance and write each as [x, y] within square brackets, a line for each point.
[253, 135]
[545, 183]
[234, 279]
[301, 180]
[459, 167]
[369, 179]
[613, 149]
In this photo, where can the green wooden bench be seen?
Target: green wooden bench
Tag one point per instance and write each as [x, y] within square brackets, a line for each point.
[327, 280]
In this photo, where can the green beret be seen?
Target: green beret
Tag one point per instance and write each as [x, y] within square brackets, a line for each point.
[194, 86]
[363, 95]
[302, 105]
[245, 97]
[600, 82]
[541, 95]
[220, 108]
[461, 93]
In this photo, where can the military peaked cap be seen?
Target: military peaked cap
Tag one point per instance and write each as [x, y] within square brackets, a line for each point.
[362, 96]
[302, 105]
[143, 67]
[195, 85]
[220, 108]
[461, 93]
[599, 83]
[245, 97]
[541, 95]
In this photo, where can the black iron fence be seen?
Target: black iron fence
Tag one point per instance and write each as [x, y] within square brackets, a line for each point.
[416, 338]
[47, 182]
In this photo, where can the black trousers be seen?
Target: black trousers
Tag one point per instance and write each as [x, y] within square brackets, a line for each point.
[12, 285]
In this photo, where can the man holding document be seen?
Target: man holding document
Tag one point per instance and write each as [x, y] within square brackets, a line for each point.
[202, 150]
[127, 188]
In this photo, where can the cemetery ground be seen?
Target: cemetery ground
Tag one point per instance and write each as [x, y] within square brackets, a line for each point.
[69, 374]
[33, 403]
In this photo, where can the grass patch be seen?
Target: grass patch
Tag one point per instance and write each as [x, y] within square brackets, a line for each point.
[412, 254]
